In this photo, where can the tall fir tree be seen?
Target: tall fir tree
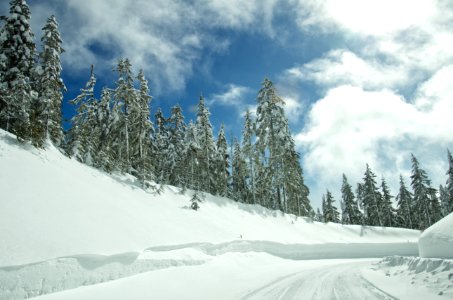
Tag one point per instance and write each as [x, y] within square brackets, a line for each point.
[426, 204]
[46, 115]
[404, 211]
[239, 175]
[251, 157]
[161, 144]
[206, 142]
[387, 210]
[177, 131]
[222, 165]
[281, 179]
[371, 199]
[17, 64]
[350, 210]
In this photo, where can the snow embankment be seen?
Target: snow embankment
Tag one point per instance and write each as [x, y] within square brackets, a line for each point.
[437, 240]
[413, 277]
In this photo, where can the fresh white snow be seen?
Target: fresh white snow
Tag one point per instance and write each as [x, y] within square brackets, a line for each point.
[69, 231]
[437, 240]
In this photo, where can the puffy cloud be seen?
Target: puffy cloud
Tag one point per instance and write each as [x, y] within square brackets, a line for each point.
[164, 37]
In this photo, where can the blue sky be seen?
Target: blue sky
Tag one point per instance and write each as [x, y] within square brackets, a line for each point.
[365, 81]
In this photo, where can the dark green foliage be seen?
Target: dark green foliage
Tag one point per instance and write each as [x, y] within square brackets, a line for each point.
[329, 210]
[350, 210]
[405, 206]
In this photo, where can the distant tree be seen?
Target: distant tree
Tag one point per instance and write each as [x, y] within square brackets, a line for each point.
[405, 206]
[251, 157]
[222, 165]
[350, 213]
[239, 175]
[330, 212]
[195, 200]
[161, 141]
[387, 210]
[443, 198]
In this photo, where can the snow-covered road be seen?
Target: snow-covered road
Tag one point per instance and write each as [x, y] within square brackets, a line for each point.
[339, 281]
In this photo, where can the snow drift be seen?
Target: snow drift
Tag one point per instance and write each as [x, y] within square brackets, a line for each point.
[437, 240]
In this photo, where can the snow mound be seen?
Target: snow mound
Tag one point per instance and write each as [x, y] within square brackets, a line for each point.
[418, 278]
[437, 240]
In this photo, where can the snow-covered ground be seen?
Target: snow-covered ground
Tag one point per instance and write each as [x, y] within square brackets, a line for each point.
[65, 227]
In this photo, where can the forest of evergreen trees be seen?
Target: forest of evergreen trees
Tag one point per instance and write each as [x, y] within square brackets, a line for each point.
[114, 131]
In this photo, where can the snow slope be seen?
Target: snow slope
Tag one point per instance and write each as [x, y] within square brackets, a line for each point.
[437, 240]
[64, 225]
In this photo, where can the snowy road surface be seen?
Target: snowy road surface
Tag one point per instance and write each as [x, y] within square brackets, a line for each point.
[241, 276]
[339, 281]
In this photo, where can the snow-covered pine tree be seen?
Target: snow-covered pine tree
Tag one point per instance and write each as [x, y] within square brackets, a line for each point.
[319, 217]
[105, 158]
[125, 97]
[141, 131]
[195, 200]
[161, 144]
[386, 209]
[449, 185]
[350, 210]
[330, 211]
[370, 199]
[251, 157]
[404, 211]
[280, 181]
[17, 62]
[190, 159]
[239, 170]
[177, 131]
[426, 204]
[46, 110]
[205, 139]
[81, 137]
[222, 165]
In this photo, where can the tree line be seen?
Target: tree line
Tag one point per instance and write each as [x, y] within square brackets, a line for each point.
[114, 131]
[371, 204]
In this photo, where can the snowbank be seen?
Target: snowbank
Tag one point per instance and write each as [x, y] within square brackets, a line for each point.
[52, 206]
[437, 240]
[416, 278]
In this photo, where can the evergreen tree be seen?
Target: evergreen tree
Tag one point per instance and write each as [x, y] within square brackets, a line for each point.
[161, 142]
[426, 204]
[80, 139]
[206, 142]
[405, 207]
[141, 131]
[125, 98]
[177, 130]
[195, 200]
[387, 211]
[46, 110]
[443, 198]
[371, 198]
[319, 217]
[350, 213]
[222, 165]
[251, 157]
[17, 62]
[330, 212]
[449, 186]
[190, 158]
[239, 170]
[105, 158]
[281, 181]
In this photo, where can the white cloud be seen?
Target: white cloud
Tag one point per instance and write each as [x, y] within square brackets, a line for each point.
[164, 37]
[235, 96]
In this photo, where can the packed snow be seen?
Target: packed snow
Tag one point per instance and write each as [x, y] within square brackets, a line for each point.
[69, 231]
[437, 240]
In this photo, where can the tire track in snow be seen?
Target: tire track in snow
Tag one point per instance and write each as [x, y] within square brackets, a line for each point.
[341, 281]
